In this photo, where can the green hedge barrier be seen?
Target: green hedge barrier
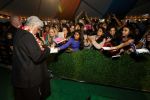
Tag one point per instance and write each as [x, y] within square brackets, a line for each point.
[92, 66]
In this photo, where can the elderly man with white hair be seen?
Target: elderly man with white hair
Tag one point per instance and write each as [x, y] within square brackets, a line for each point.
[29, 72]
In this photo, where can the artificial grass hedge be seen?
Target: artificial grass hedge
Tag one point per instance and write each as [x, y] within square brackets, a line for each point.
[91, 66]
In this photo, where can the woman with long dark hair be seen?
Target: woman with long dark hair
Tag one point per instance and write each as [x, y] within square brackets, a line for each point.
[127, 40]
[75, 42]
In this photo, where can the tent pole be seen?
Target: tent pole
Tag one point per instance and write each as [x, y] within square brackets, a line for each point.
[92, 7]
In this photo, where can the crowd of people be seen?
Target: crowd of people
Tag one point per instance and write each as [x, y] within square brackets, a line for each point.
[91, 33]
[123, 36]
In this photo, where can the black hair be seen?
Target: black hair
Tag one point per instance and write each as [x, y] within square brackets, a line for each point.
[81, 38]
[102, 29]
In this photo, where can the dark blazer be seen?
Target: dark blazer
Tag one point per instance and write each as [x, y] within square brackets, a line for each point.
[29, 65]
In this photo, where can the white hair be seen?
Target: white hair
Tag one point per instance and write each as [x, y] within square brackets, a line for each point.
[34, 21]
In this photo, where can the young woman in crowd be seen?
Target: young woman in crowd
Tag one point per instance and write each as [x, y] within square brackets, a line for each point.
[145, 41]
[75, 42]
[51, 36]
[127, 41]
[112, 37]
[98, 40]
[66, 32]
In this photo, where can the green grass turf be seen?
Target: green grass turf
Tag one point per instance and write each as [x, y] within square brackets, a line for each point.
[71, 90]
[129, 71]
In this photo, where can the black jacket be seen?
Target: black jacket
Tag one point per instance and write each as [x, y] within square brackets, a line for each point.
[29, 65]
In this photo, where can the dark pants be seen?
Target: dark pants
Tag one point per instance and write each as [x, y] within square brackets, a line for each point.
[40, 92]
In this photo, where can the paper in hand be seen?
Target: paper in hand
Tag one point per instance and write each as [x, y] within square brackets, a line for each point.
[53, 50]
[143, 50]
[107, 48]
[116, 56]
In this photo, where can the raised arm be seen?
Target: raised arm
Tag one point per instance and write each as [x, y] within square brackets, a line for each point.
[98, 45]
[124, 44]
[87, 18]
[117, 20]
[78, 16]
[66, 45]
